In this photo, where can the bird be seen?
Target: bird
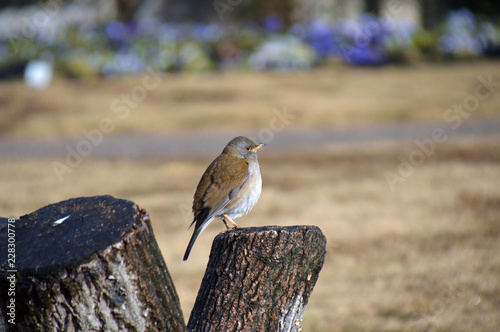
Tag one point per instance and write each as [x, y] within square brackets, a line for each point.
[229, 188]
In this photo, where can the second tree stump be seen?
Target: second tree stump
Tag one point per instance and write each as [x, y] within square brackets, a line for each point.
[259, 279]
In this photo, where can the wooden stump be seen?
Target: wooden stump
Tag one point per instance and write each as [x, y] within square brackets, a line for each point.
[93, 264]
[259, 279]
[88, 264]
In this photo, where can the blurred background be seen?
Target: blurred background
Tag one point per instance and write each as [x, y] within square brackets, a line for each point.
[382, 120]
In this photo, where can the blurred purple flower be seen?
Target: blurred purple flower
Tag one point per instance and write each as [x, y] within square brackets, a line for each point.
[272, 23]
[121, 34]
[460, 36]
[460, 19]
[207, 33]
[168, 32]
[365, 56]
[320, 35]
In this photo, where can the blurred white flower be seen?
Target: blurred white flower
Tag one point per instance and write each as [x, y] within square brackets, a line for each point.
[282, 52]
[39, 73]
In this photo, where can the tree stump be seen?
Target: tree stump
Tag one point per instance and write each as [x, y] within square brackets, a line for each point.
[87, 264]
[259, 279]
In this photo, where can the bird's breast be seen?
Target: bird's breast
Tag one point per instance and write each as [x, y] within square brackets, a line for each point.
[248, 195]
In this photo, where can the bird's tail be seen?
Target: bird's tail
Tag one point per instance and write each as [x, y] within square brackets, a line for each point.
[197, 231]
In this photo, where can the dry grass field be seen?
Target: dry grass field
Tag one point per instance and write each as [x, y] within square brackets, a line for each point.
[424, 257]
[243, 100]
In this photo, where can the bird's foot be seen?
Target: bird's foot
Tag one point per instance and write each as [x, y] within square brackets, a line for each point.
[226, 219]
[225, 224]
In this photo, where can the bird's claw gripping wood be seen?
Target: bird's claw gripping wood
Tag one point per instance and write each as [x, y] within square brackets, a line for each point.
[226, 219]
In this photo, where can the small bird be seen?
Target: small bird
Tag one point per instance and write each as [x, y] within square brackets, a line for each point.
[229, 188]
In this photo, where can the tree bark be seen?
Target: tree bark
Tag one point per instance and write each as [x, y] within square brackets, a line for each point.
[88, 264]
[259, 279]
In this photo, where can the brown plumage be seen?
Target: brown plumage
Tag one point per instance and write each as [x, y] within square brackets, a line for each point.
[229, 188]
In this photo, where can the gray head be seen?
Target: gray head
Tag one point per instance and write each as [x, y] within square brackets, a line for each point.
[242, 147]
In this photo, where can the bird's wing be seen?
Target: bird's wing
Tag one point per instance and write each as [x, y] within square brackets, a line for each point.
[223, 182]
[218, 185]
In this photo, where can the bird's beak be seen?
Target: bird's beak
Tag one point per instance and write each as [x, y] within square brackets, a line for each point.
[259, 146]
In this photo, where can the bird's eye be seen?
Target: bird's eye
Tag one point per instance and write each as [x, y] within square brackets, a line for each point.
[248, 148]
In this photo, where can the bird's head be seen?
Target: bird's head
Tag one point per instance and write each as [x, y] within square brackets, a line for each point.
[242, 147]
